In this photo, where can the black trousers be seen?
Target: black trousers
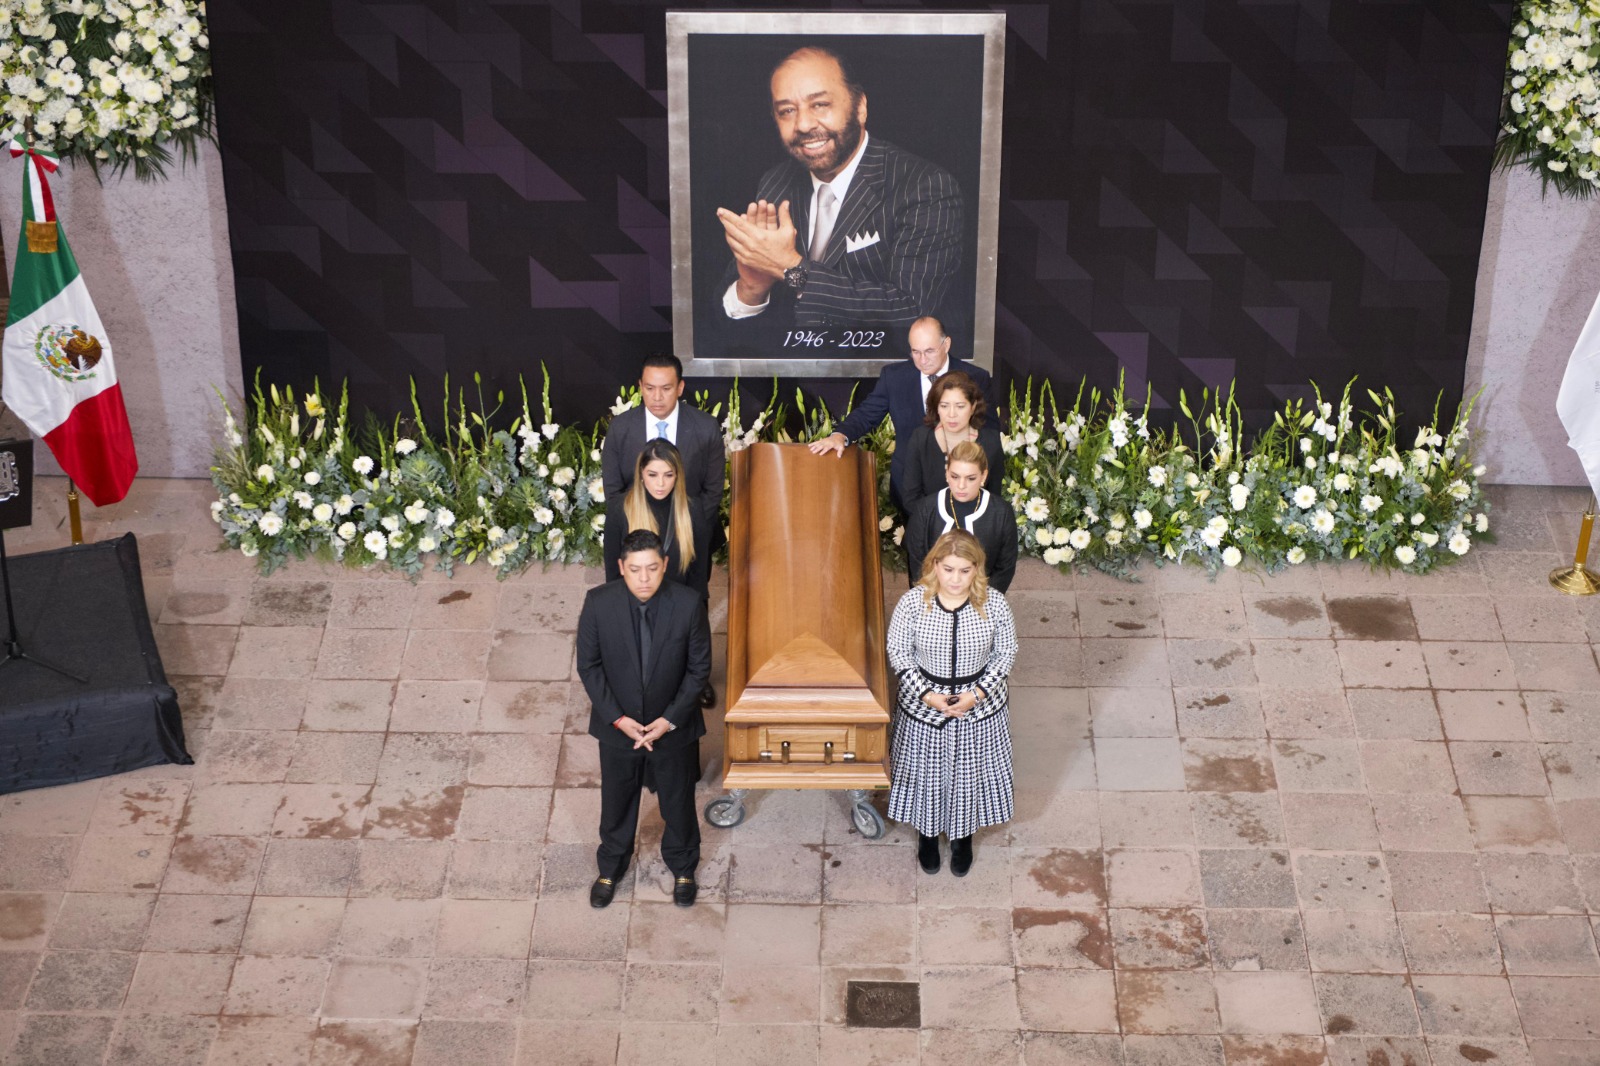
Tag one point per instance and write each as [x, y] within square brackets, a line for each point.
[622, 778]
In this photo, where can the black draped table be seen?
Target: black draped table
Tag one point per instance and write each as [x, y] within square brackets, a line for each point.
[82, 608]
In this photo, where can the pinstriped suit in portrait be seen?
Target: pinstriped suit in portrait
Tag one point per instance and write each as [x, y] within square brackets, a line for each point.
[911, 207]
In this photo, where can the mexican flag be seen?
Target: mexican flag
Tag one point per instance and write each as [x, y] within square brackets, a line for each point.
[58, 373]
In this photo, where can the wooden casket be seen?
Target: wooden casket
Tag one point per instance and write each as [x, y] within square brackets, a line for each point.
[808, 677]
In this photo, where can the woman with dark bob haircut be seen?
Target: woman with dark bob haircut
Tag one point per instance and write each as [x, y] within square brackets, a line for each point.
[956, 413]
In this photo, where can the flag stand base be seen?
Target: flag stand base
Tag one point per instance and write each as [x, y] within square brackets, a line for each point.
[1577, 580]
[74, 516]
[13, 645]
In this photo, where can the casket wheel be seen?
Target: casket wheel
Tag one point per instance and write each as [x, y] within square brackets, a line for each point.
[869, 823]
[725, 813]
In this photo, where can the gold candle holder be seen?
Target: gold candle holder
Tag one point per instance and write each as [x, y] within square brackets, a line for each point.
[1577, 580]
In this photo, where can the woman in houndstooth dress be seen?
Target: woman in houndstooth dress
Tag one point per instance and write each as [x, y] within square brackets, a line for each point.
[952, 642]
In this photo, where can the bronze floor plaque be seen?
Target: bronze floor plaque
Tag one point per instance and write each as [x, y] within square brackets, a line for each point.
[883, 1005]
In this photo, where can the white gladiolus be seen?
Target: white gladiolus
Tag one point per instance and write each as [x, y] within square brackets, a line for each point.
[550, 429]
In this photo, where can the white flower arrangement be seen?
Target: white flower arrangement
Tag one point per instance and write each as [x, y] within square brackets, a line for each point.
[108, 82]
[1321, 483]
[1551, 116]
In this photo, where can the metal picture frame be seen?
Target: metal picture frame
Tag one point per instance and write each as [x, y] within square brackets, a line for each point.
[981, 35]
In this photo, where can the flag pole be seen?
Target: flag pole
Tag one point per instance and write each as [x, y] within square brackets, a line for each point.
[76, 517]
[1578, 580]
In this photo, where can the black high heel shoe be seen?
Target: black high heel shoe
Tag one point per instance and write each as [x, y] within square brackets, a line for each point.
[928, 854]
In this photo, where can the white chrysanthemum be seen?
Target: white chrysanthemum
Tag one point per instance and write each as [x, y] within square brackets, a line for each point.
[495, 534]
[1142, 519]
[1210, 537]
[496, 557]
[405, 446]
[1113, 537]
[564, 476]
[597, 490]
[1342, 482]
[1036, 510]
[1304, 497]
[1481, 523]
[416, 512]
[303, 500]
[1119, 521]
[1158, 476]
[344, 505]
[426, 544]
[444, 518]
[1052, 556]
[1322, 522]
[543, 515]
[270, 524]
[265, 473]
[1371, 503]
[1459, 489]
[390, 522]
[1061, 536]
[1405, 554]
[899, 535]
[362, 465]
[885, 524]
[1079, 539]
[375, 542]
[1460, 543]
[1296, 555]
[347, 532]
[1231, 556]
[1239, 497]
[322, 512]
[249, 550]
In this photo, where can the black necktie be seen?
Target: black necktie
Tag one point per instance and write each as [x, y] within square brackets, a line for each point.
[644, 640]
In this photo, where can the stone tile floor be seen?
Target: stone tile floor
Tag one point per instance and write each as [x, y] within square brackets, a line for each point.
[1327, 817]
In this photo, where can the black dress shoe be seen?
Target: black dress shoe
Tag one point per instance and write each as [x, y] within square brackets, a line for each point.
[961, 856]
[708, 697]
[601, 892]
[928, 854]
[684, 890]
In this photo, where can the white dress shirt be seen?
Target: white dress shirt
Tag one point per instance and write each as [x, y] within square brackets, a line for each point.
[651, 431]
[927, 386]
[737, 308]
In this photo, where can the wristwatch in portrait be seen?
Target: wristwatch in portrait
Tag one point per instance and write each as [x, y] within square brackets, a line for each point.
[795, 276]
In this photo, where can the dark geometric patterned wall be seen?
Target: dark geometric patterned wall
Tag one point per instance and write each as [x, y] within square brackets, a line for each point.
[1193, 191]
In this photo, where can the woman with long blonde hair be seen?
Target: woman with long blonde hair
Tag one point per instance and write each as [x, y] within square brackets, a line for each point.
[952, 642]
[658, 500]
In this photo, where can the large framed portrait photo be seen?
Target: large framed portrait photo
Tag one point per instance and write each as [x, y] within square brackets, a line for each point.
[770, 114]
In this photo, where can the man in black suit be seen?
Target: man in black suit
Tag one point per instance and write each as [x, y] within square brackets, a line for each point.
[851, 231]
[644, 653]
[902, 393]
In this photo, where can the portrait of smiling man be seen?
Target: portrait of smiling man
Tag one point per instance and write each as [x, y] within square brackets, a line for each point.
[849, 232]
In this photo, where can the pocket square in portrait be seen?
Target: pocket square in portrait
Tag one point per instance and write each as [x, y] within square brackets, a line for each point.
[860, 241]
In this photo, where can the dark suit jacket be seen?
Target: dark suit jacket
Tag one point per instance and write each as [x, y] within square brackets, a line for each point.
[898, 394]
[914, 208]
[608, 662]
[994, 523]
[704, 466]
